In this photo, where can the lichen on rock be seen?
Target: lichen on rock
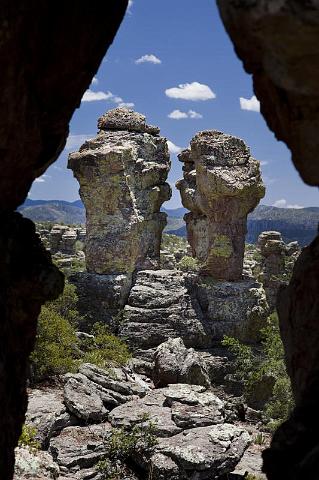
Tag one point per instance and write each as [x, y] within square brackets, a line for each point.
[122, 174]
[221, 185]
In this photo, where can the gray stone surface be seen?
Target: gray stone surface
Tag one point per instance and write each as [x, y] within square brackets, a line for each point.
[47, 414]
[202, 453]
[237, 309]
[79, 447]
[34, 464]
[174, 363]
[83, 400]
[221, 185]
[162, 306]
[100, 297]
[93, 392]
[122, 174]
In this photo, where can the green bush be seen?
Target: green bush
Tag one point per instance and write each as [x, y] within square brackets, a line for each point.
[27, 437]
[172, 243]
[252, 366]
[122, 444]
[56, 346]
[188, 264]
[106, 349]
[66, 304]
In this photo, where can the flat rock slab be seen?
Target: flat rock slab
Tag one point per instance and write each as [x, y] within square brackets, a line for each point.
[80, 447]
[133, 413]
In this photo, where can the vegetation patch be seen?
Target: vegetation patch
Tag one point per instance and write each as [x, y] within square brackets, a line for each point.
[123, 444]
[253, 367]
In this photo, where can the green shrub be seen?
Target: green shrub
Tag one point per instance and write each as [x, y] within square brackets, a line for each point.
[188, 264]
[252, 366]
[106, 349]
[66, 304]
[122, 444]
[27, 437]
[172, 243]
[56, 342]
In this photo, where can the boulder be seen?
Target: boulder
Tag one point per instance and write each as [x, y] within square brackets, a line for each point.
[207, 452]
[34, 464]
[273, 270]
[93, 392]
[47, 414]
[83, 400]
[221, 185]
[174, 363]
[122, 175]
[80, 447]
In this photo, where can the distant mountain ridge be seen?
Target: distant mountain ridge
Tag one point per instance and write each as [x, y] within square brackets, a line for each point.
[294, 224]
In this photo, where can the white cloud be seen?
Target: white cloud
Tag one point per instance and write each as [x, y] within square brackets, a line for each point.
[178, 115]
[193, 114]
[251, 104]
[90, 96]
[191, 91]
[263, 163]
[282, 203]
[94, 81]
[149, 58]
[75, 141]
[42, 179]
[174, 149]
[126, 105]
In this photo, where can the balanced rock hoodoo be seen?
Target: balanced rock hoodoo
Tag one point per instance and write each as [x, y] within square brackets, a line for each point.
[221, 185]
[122, 174]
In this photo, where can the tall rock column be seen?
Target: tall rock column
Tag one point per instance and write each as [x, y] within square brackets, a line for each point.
[221, 185]
[122, 174]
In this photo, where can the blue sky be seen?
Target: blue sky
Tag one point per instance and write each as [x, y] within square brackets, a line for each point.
[161, 47]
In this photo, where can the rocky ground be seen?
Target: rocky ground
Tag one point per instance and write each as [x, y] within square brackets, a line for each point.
[197, 434]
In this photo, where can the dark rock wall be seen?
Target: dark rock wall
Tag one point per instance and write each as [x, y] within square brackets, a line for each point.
[49, 52]
[278, 42]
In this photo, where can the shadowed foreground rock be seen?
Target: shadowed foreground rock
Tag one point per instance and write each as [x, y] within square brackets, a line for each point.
[278, 43]
[27, 279]
[221, 185]
[122, 174]
[49, 53]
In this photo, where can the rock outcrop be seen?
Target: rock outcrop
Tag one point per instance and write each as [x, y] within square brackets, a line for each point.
[194, 435]
[174, 363]
[162, 305]
[166, 304]
[122, 174]
[100, 297]
[273, 252]
[63, 239]
[221, 185]
[285, 70]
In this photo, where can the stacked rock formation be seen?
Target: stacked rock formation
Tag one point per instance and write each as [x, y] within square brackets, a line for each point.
[273, 252]
[221, 185]
[122, 174]
[63, 239]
